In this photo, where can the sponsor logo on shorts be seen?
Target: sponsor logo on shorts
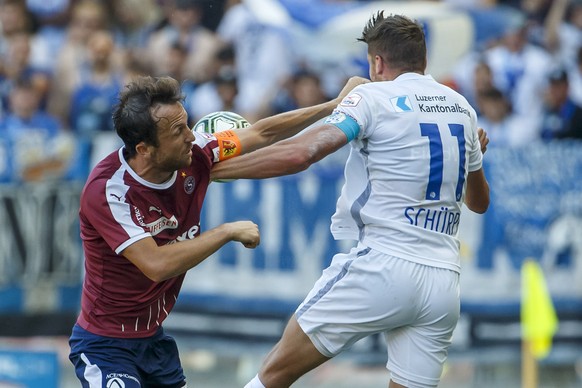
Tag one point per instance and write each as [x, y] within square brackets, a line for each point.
[115, 380]
[115, 383]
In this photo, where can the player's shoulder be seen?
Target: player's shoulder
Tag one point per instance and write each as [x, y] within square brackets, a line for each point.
[369, 87]
[202, 139]
[363, 92]
[109, 168]
[109, 164]
[204, 150]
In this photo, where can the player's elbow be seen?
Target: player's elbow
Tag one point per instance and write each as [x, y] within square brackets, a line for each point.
[158, 277]
[478, 203]
[155, 275]
[300, 160]
[157, 272]
[154, 262]
[479, 207]
[477, 199]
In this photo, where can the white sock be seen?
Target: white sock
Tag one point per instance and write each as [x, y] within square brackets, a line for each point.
[255, 383]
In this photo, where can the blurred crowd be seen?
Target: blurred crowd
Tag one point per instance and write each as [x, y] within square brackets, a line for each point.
[526, 81]
[62, 63]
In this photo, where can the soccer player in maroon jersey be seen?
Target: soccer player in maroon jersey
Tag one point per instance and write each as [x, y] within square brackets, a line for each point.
[141, 232]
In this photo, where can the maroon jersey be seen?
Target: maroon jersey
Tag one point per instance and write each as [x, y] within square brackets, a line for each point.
[119, 208]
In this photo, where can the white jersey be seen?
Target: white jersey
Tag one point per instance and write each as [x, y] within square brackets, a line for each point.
[405, 177]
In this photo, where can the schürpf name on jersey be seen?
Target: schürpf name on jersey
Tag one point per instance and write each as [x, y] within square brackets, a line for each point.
[442, 221]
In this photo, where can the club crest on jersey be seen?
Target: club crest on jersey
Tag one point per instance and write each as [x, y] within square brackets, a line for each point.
[351, 100]
[189, 185]
[401, 104]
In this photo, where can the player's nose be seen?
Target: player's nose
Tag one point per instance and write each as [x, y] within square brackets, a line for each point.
[189, 137]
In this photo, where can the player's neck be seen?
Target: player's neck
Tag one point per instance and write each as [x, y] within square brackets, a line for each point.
[148, 172]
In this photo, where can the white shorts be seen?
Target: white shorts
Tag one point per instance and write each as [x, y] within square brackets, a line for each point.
[366, 292]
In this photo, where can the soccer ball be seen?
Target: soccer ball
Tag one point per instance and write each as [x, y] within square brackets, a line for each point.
[220, 121]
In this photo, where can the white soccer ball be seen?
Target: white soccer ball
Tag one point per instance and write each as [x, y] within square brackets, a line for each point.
[220, 121]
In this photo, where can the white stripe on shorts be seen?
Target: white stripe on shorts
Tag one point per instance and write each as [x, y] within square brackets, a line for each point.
[330, 284]
[92, 373]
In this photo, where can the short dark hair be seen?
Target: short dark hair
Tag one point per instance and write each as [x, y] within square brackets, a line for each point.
[558, 75]
[23, 82]
[132, 116]
[399, 40]
[492, 94]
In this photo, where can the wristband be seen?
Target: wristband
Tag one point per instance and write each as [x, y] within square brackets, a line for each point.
[228, 144]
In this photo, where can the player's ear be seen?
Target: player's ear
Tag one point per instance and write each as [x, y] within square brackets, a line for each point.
[379, 64]
[143, 149]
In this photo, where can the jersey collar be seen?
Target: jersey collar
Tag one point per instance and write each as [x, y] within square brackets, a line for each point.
[413, 76]
[158, 186]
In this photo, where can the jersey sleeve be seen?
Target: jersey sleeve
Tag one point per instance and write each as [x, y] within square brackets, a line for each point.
[475, 154]
[356, 106]
[218, 146]
[107, 214]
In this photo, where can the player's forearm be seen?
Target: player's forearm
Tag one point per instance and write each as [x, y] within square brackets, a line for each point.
[287, 157]
[164, 262]
[477, 198]
[277, 160]
[187, 254]
[285, 125]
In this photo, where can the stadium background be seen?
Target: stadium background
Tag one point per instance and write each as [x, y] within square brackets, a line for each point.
[234, 306]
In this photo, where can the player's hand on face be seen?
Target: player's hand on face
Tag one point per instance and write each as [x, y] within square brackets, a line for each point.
[483, 139]
[247, 233]
[352, 83]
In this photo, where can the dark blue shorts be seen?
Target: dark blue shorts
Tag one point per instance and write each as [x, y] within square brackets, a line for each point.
[105, 362]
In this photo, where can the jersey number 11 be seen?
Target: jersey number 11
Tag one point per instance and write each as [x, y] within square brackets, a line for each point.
[435, 178]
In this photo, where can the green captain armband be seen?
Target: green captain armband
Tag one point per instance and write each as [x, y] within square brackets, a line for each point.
[345, 123]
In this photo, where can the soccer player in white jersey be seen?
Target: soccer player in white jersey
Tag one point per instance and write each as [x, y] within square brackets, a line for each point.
[415, 158]
[141, 232]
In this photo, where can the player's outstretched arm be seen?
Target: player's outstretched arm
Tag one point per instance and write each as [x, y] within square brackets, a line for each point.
[163, 262]
[284, 125]
[477, 198]
[483, 139]
[285, 157]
